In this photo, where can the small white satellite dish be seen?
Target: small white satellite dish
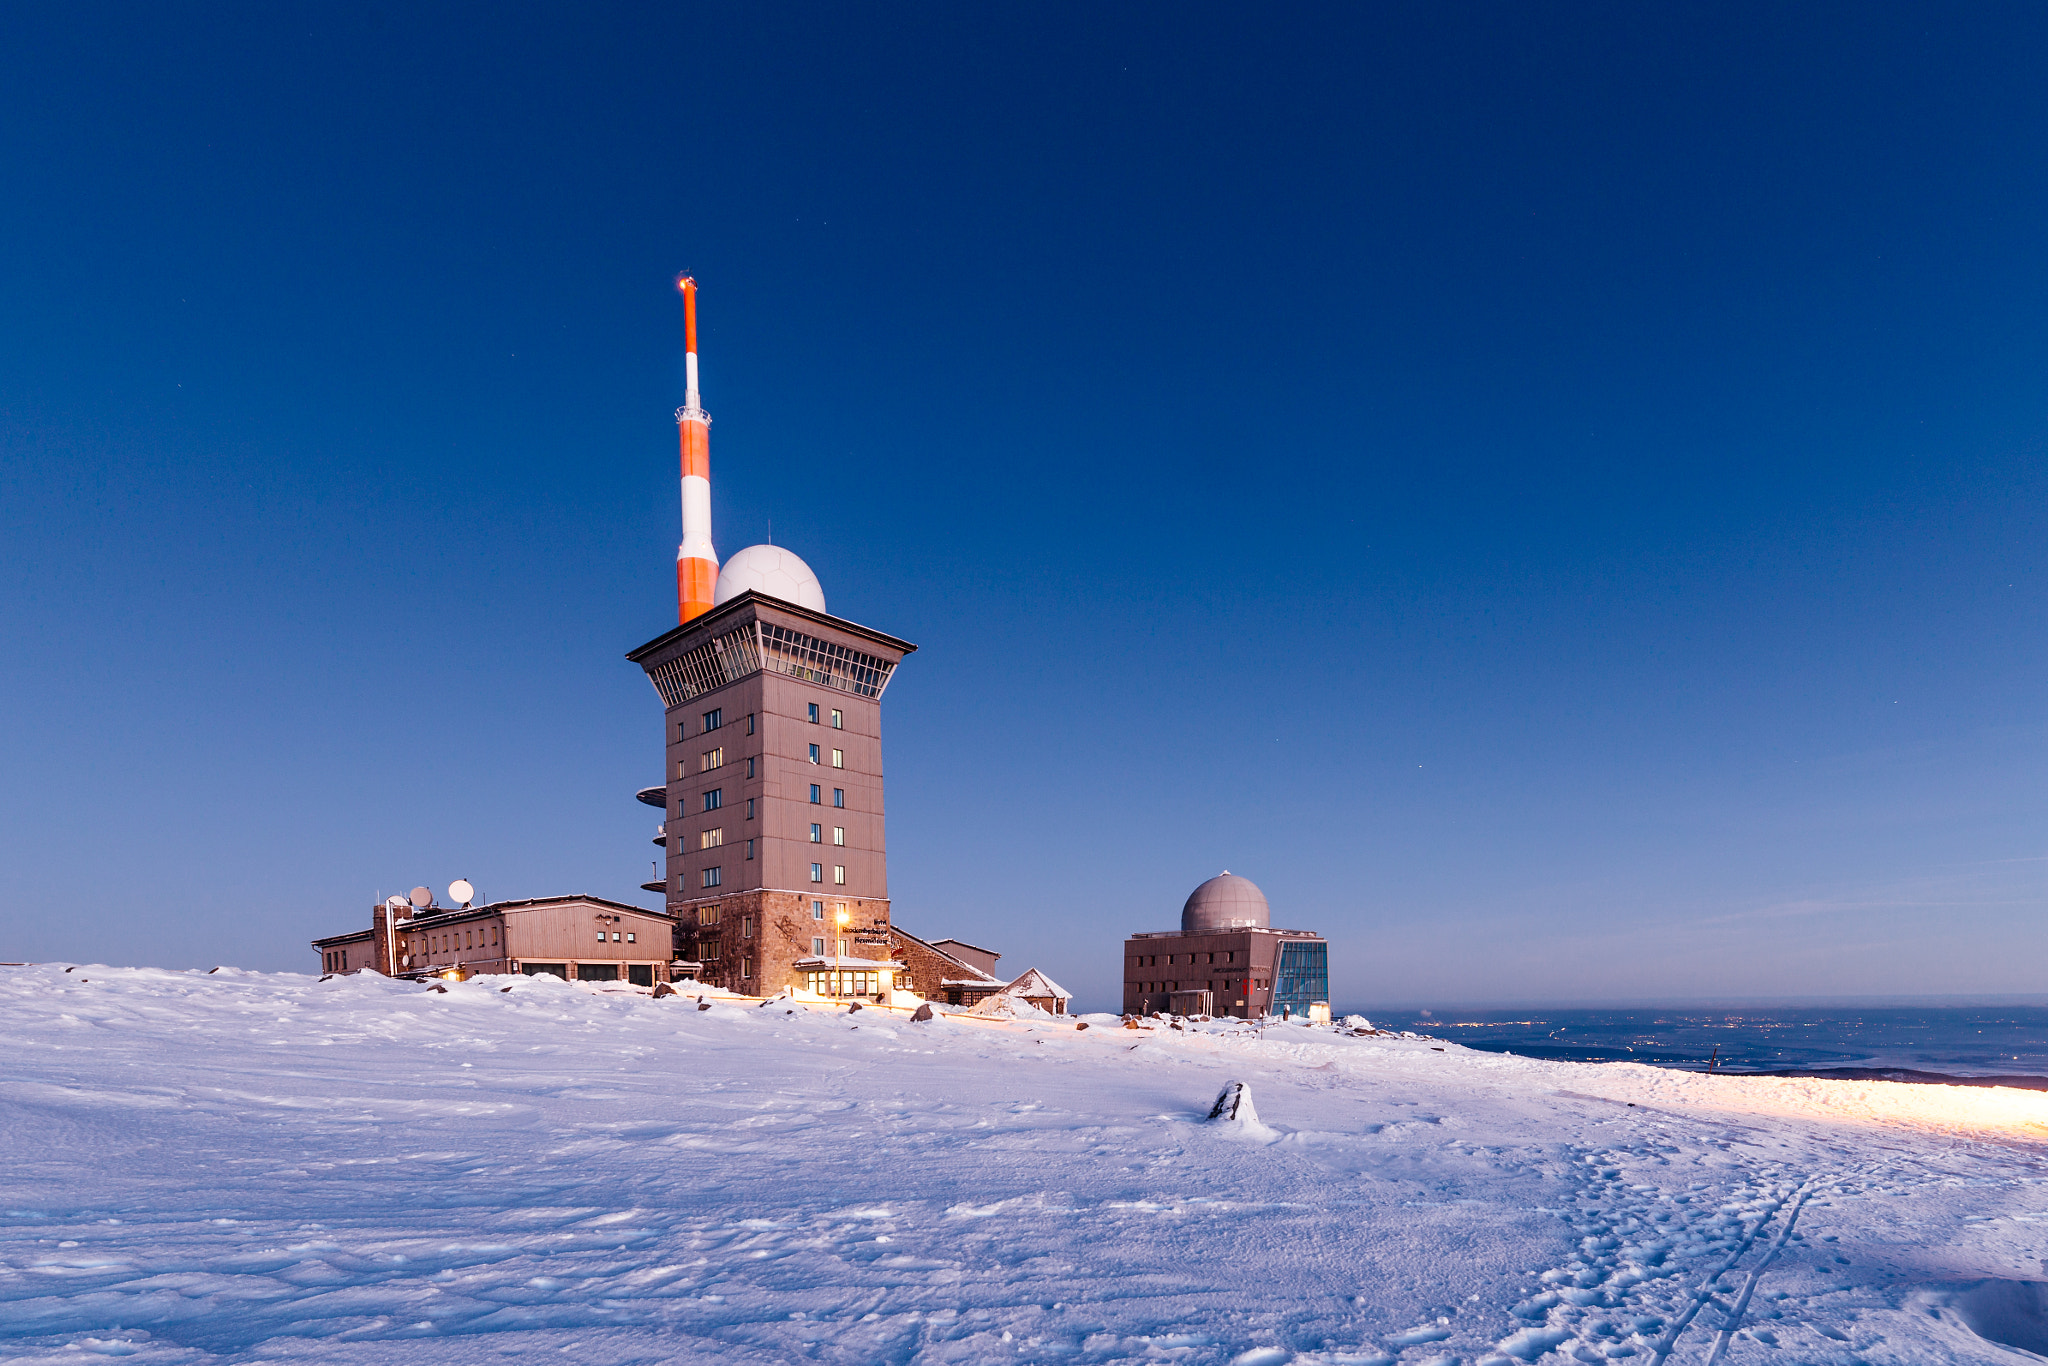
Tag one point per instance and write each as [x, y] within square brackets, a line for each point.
[395, 901]
[422, 897]
[460, 890]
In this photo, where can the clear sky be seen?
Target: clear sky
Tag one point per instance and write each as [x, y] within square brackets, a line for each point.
[1553, 494]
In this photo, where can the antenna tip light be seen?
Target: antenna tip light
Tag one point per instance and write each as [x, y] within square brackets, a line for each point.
[685, 283]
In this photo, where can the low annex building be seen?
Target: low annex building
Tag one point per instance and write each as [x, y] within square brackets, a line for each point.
[1226, 959]
[945, 970]
[580, 938]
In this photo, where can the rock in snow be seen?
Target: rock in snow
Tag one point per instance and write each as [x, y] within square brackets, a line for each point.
[1234, 1104]
[245, 1167]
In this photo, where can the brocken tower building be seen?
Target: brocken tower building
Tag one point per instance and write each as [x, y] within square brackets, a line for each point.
[773, 819]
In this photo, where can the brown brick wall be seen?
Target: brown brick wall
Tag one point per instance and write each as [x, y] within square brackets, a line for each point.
[928, 968]
[775, 929]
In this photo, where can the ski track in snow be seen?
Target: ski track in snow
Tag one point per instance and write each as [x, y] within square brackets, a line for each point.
[242, 1167]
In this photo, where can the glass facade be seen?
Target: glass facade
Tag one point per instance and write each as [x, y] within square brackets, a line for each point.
[1301, 978]
[847, 983]
[759, 645]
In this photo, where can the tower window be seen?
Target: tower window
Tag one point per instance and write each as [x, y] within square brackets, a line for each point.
[817, 834]
[714, 718]
[838, 796]
[817, 910]
[814, 713]
[682, 730]
[818, 947]
[750, 723]
[750, 765]
[838, 719]
[839, 874]
[814, 794]
[714, 799]
[839, 834]
[814, 754]
[817, 872]
[714, 758]
[839, 758]
[713, 876]
[750, 808]
[746, 927]
[711, 839]
[750, 848]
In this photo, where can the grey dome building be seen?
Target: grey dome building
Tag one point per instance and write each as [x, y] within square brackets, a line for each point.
[1227, 959]
[1225, 902]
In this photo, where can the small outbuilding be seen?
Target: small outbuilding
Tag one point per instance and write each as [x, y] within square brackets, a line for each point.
[1040, 990]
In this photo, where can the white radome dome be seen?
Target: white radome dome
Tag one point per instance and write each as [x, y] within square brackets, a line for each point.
[771, 570]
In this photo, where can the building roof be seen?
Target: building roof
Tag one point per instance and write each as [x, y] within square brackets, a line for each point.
[848, 963]
[1036, 983]
[965, 945]
[455, 915]
[1211, 934]
[976, 976]
[739, 604]
[336, 940]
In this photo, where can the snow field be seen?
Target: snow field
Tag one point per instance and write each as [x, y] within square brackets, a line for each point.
[240, 1167]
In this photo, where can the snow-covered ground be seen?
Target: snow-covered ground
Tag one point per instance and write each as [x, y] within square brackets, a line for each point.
[238, 1167]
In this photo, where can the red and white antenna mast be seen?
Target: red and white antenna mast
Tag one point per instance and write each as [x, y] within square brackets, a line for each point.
[696, 561]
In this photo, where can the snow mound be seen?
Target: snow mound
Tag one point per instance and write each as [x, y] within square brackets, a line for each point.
[2010, 1313]
[1234, 1105]
[1002, 1007]
[1234, 1114]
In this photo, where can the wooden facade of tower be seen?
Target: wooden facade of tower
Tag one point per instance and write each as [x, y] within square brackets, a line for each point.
[773, 820]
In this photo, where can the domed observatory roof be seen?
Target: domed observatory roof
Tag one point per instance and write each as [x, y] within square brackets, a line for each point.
[1225, 902]
[772, 570]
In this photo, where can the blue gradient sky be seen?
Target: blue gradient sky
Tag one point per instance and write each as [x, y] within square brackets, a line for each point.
[1553, 496]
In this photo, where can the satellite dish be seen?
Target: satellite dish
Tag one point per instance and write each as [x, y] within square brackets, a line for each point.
[422, 897]
[460, 890]
[395, 902]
